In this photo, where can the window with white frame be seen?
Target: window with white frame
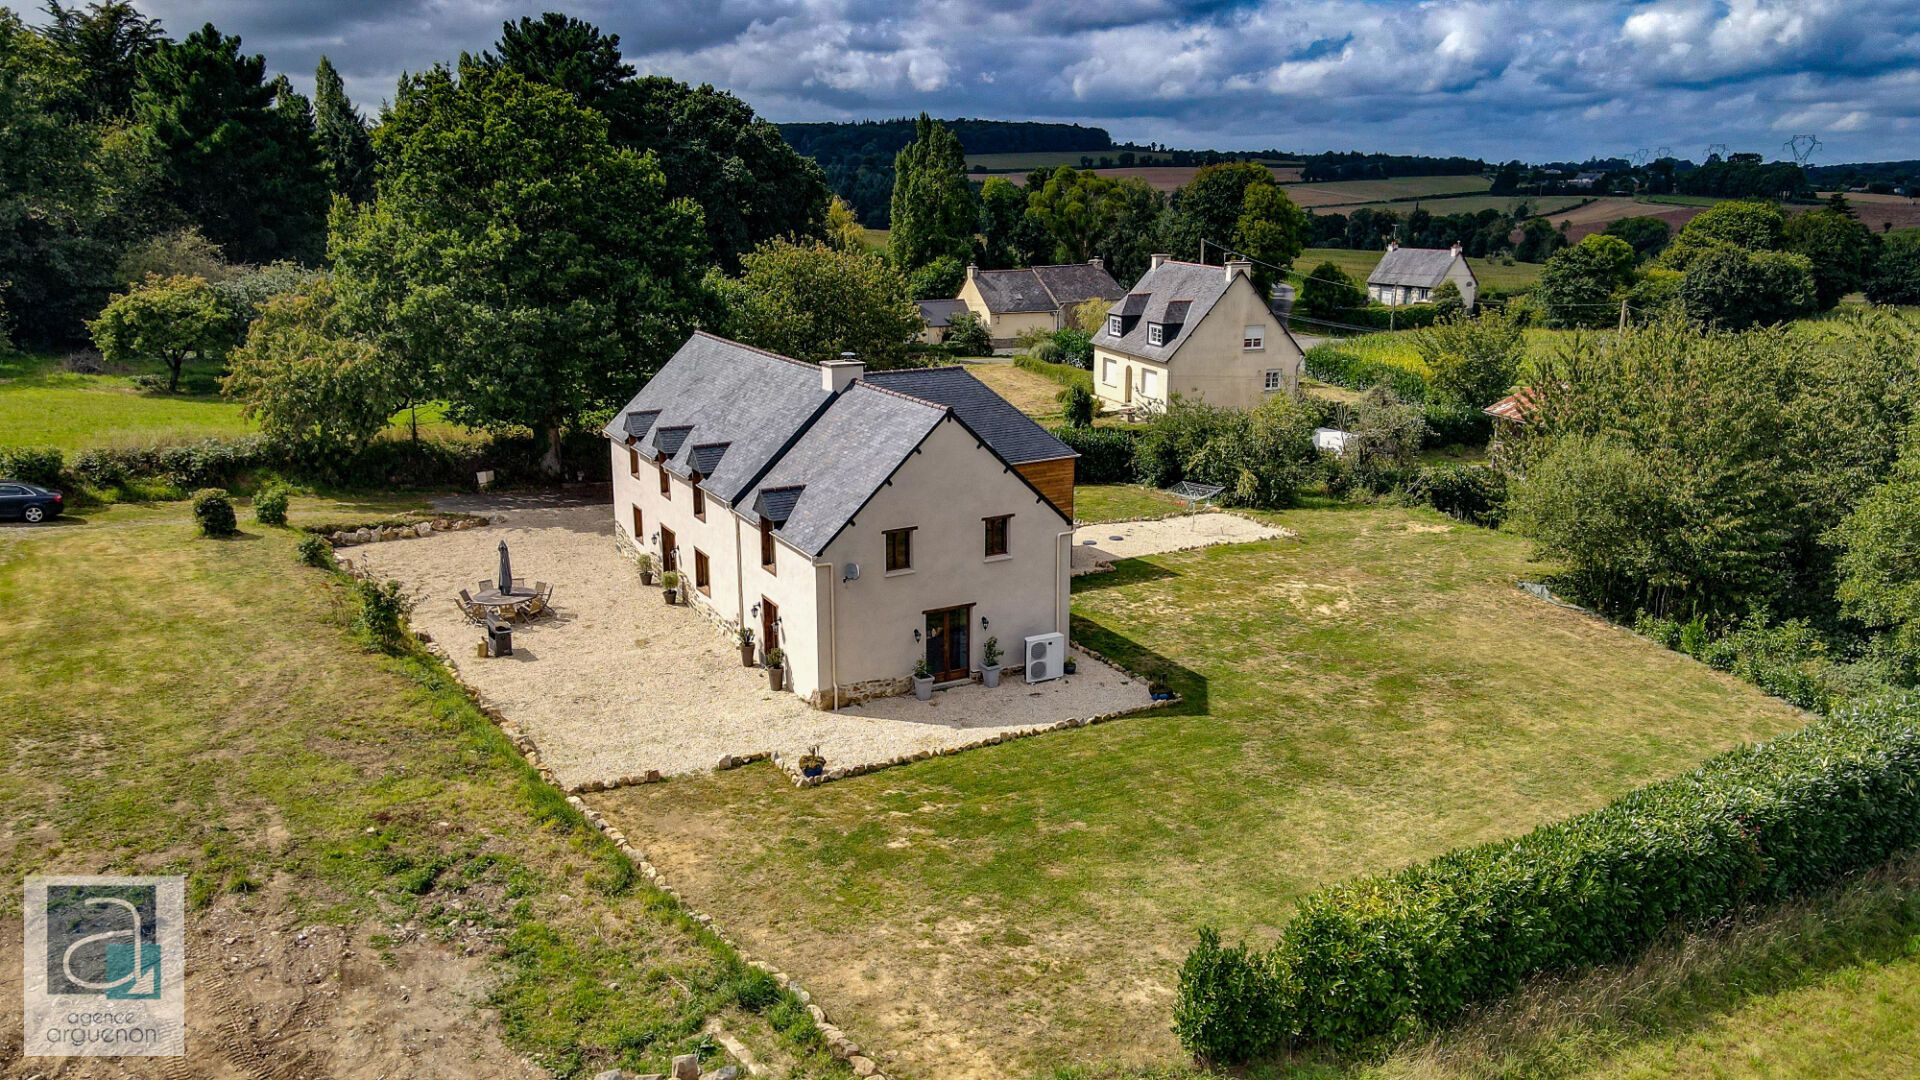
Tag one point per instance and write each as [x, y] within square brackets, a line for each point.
[1147, 381]
[1271, 380]
[1106, 370]
[1156, 334]
[1254, 337]
[1113, 325]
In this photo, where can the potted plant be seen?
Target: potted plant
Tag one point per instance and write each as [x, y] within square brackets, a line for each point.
[1069, 667]
[811, 763]
[670, 581]
[990, 663]
[646, 568]
[746, 647]
[922, 679]
[776, 669]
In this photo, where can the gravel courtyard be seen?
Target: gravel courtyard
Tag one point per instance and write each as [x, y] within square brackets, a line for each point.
[616, 683]
[1097, 547]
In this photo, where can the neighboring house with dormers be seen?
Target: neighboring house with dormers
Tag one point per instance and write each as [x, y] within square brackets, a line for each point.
[1409, 275]
[1039, 298]
[1203, 332]
[858, 521]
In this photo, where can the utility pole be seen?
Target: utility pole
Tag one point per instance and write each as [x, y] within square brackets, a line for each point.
[1623, 316]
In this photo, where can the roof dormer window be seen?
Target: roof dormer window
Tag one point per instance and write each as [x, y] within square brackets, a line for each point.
[1156, 333]
[1113, 326]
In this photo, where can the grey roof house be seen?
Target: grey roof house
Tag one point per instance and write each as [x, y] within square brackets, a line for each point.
[1011, 302]
[832, 512]
[1410, 275]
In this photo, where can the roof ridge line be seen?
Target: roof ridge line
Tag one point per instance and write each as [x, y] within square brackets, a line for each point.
[901, 394]
[769, 353]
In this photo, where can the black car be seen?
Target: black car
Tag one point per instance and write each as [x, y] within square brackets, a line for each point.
[30, 503]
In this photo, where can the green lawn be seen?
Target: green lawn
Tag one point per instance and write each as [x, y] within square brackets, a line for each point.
[1470, 204]
[1122, 502]
[1369, 694]
[1342, 193]
[1358, 264]
[41, 405]
[1396, 347]
[180, 705]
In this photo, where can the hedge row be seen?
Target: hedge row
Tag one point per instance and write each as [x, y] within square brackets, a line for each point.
[1106, 454]
[224, 463]
[1384, 957]
[1064, 374]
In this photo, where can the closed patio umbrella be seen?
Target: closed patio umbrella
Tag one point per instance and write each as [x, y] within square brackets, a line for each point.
[506, 569]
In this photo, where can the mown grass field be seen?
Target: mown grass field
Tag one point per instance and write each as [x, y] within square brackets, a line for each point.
[1470, 204]
[1357, 192]
[1396, 347]
[1371, 693]
[41, 405]
[179, 705]
[1357, 264]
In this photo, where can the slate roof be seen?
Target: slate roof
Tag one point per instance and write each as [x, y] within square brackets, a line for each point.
[1045, 288]
[769, 440]
[1419, 268]
[751, 400]
[1011, 433]
[1176, 292]
[843, 459]
[939, 314]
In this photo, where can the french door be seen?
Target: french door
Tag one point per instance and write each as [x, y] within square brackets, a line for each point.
[949, 645]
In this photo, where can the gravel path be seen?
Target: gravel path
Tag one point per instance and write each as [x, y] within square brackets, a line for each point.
[1096, 547]
[617, 683]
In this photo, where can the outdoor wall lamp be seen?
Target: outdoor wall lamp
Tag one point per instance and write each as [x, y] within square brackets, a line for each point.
[655, 538]
[756, 612]
[916, 635]
[983, 622]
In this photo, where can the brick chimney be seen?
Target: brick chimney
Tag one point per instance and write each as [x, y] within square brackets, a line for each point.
[1157, 260]
[1238, 268]
[837, 375]
[1457, 248]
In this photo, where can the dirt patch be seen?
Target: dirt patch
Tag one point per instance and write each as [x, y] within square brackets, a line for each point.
[269, 996]
[1098, 547]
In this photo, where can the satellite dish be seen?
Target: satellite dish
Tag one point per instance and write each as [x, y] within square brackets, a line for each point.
[851, 572]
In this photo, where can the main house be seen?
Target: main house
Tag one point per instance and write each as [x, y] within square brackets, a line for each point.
[1039, 298]
[1409, 275]
[858, 521]
[1204, 332]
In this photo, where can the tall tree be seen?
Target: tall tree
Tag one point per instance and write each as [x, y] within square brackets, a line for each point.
[541, 271]
[1841, 249]
[933, 208]
[1208, 208]
[164, 319]
[1272, 231]
[1007, 239]
[813, 302]
[346, 149]
[107, 40]
[236, 152]
[750, 184]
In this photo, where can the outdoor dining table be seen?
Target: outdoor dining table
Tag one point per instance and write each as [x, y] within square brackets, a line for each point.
[499, 598]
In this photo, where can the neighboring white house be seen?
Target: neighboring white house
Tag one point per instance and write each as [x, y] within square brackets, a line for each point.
[1203, 332]
[1409, 275]
[1011, 302]
[857, 521]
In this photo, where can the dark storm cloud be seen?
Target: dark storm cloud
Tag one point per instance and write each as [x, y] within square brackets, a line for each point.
[1489, 77]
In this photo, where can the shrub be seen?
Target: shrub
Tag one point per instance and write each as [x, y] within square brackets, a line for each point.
[1075, 346]
[270, 504]
[381, 609]
[1472, 493]
[1048, 351]
[1077, 406]
[1457, 425]
[1106, 454]
[214, 512]
[35, 465]
[1383, 956]
[315, 551]
[967, 337]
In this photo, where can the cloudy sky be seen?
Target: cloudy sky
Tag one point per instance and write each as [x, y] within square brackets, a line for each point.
[1492, 78]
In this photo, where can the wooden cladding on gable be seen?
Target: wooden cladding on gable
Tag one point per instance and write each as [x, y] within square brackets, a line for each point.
[1054, 479]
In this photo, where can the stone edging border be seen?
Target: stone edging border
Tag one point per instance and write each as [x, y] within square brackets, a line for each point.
[373, 534]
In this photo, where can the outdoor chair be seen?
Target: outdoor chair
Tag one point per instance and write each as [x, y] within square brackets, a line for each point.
[468, 608]
[487, 585]
[537, 606]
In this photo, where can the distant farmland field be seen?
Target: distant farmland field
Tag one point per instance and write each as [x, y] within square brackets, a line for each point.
[1597, 215]
[1879, 212]
[1159, 177]
[1360, 192]
[1468, 204]
[1046, 159]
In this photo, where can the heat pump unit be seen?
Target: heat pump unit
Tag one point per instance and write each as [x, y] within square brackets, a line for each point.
[1046, 655]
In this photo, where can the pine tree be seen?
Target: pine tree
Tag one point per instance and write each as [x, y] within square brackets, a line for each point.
[933, 208]
[346, 150]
